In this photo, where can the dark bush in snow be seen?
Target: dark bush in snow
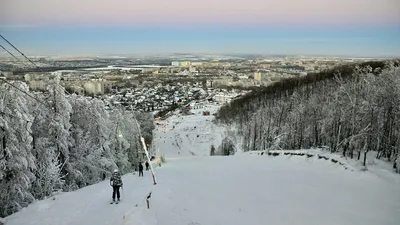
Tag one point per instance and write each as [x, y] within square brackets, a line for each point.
[227, 147]
[274, 153]
[212, 151]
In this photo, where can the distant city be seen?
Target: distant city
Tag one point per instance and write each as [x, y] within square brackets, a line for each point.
[156, 83]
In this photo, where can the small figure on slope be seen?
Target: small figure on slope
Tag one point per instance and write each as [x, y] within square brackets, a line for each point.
[116, 183]
[147, 166]
[140, 169]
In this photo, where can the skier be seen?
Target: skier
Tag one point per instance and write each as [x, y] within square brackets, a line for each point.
[147, 166]
[140, 169]
[116, 183]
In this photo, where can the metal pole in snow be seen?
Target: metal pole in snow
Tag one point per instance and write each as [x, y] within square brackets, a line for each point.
[148, 159]
[145, 150]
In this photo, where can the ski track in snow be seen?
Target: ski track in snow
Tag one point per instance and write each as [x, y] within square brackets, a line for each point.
[246, 189]
[187, 136]
[89, 205]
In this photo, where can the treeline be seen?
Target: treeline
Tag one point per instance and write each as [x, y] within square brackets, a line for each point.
[55, 142]
[23, 71]
[350, 109]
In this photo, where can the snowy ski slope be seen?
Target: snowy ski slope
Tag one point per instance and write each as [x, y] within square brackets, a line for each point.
[246, 189]
[188, 135]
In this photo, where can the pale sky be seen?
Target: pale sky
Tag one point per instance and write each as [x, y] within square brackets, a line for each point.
[207, 12]
[219, 25]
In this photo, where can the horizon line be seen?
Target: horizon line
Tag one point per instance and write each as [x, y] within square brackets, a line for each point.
[94, 55]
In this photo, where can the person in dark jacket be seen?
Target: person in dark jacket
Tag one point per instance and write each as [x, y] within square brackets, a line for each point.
[140, 169]
[116, 183]
[147, 166]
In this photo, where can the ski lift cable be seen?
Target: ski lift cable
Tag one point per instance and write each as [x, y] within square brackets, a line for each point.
[12, 54]
[26, 58]
[7, 114]
[41, 102]
[49, 106]
[31, 96]
[20, 52]
[19, 89]
[46, 104]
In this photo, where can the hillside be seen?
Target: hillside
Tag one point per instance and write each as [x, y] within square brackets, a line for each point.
[188, 135]
[351, 109]
[310, 187]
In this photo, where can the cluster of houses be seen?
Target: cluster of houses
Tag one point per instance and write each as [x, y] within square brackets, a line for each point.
[161, 97]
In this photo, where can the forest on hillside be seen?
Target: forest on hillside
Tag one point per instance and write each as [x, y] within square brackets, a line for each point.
[351, 109]
[57, 142]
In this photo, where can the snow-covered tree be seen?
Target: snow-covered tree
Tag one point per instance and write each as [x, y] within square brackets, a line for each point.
[130, 130]
[351, 109]
[16, 159]
[146, 122]
[102, 133]
[59, 129]
[51, 142]
[118, 139]
[48, 168]
[90, 155]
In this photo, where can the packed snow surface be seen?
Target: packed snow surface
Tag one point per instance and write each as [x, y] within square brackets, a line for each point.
[245, 189]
